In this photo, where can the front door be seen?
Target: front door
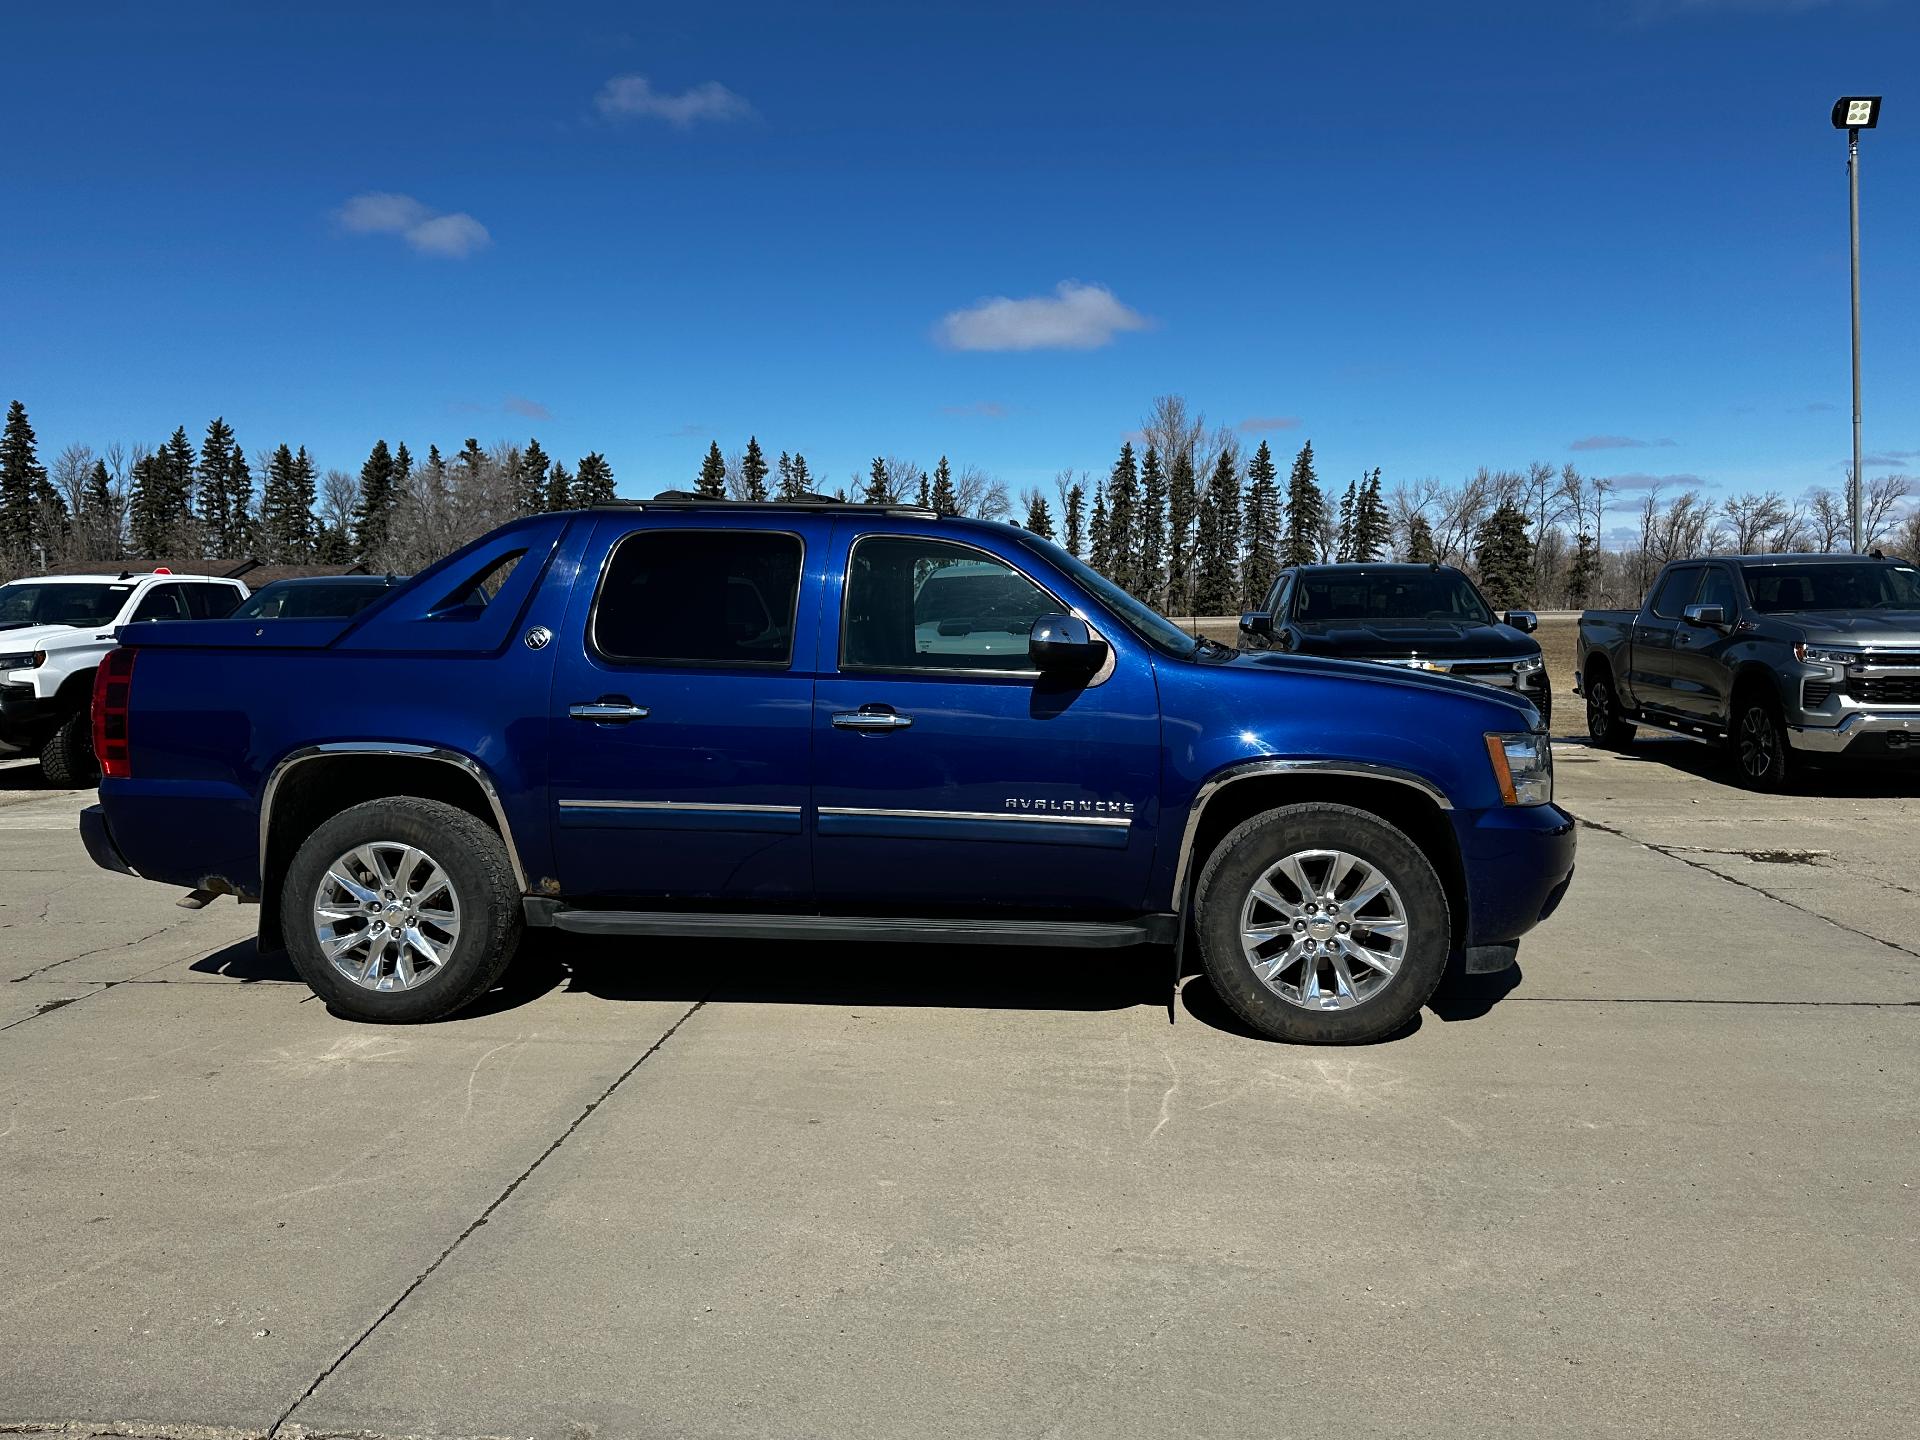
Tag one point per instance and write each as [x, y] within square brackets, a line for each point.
[680, 714]
[1701, 676]
[949, 774]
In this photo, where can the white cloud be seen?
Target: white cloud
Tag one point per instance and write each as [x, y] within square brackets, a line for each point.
[629, 95]
[1074, 317]
[379, 212]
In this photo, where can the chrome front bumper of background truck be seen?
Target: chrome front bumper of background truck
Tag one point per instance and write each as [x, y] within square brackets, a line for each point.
[1897, 732]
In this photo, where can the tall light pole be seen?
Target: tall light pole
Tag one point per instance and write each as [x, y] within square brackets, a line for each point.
[1854, 113]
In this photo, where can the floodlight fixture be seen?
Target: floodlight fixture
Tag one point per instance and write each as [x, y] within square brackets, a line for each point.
[1856, 112]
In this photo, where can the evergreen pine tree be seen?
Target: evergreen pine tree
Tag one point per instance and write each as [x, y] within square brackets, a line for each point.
[1504, 554]
[712, 481]
[1343, 534]
[1372, 529]
[333, 545]
[1039, 518]
[1216, 589]
[302, 527]
[942, 496]
[279, 532]
[1123, 523]
[1099, 532]
[1420, 547]
[97, 498]
[802, 479]
[177, 517]
[593, 485]
[145, 505]
[240, 527]
[373, 510]
[559, 488]
[530, 479]
[785, 473]
[753, 469]
[1306, 512]
[1262, 565]
[878, 491]
[1583, 570]
[924, 498]
[1183, 500]
[1076, 519]
[1152, 527]
[402, 464]
[21, 481]
[216, 509]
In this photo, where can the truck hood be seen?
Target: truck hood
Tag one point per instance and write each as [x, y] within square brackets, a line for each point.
[1411, 639]
[1874, 628]
[1368, 672]
[43, 637]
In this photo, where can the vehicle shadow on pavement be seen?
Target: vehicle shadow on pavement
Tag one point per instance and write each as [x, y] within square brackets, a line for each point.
[246, 962]
[1859, 781]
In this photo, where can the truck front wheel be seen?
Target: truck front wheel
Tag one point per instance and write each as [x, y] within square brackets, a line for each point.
[400, 910]
[1759, 741]
[67, 759]
[1322, 924]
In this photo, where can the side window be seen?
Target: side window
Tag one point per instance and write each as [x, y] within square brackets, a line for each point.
[162, 602]
[211, 602]
[914, 604]
[1674, 591]
[1277, 600]
[1716, 588]
[699, 597]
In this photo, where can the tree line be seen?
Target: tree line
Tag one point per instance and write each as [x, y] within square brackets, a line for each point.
[1182, 519]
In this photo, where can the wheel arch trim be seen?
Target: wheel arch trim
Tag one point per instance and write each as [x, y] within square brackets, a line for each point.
[1257, 769]
[392, 749]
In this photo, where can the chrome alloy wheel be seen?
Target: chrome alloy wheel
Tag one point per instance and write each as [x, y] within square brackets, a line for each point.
[1324, 930]
[1756, 742]
[387, 916]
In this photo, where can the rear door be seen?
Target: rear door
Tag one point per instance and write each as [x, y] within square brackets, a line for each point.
[1651, 674]
[950, 776]
[681, 705]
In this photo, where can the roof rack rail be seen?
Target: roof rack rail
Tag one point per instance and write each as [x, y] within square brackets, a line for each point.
[686, 500]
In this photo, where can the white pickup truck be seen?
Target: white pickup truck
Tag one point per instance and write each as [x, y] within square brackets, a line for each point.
[54, 629]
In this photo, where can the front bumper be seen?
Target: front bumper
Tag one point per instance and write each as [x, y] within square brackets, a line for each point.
[1872, 733]
[25, 719]
[98, 839]
[1518, 862]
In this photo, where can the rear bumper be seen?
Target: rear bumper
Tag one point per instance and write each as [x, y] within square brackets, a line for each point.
[1863, 733]
[98, 839]
[26, 721]
[1518, 863]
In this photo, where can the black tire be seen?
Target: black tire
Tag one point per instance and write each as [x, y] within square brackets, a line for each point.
[67, 759]
[474, 860]
[1758, 747]
[1250, 852]
[1606, 727]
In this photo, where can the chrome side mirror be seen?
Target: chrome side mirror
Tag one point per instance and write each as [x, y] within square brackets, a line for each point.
[1524, 621]
[1714, 617]
[1065, 643]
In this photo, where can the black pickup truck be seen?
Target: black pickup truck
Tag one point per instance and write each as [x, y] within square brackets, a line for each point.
[1419, 617]
[1780, 657]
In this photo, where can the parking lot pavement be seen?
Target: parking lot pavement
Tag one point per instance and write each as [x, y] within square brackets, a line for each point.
[1663, 1180]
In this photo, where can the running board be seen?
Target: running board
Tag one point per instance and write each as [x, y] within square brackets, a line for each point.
[1066, 934]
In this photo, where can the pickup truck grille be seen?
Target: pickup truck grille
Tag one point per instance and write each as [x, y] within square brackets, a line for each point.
[1815, 692]
[1886, 689]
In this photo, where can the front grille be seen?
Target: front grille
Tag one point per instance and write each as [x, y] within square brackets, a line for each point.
[1484, 669]
[1816, 692]
[1885, 689]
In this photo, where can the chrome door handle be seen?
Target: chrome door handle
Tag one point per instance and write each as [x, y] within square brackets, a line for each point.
[871, 720]
[1683, 638]
[608, 712]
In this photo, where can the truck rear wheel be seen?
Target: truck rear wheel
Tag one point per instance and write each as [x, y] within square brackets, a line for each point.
[401, 910]
[1605, 725]
[1322, 924]
[67, 759]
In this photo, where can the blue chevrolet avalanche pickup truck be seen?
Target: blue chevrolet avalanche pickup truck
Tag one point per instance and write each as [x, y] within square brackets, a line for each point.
[820, 721]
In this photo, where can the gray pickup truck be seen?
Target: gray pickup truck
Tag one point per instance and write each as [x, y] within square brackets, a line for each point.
[1780, 657]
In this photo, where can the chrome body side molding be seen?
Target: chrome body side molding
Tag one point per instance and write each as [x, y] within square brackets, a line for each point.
[1253, 769]
[392, 749]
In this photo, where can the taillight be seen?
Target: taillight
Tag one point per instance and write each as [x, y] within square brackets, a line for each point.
[112, 683]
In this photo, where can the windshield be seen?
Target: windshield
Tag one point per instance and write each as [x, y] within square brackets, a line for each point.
[28, 602]
[309, 602]
[1139, 617]
[1366, 595]
[1868, 585]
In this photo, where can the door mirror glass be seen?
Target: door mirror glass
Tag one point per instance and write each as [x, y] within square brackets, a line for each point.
[1712, 616]
[1523, 620]
[1257, 623]
[1060, 644]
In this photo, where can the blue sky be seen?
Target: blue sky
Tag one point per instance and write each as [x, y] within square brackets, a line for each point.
[1429, 237]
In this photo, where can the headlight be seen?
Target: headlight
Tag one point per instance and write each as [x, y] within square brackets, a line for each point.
[1825, 655]
[1522, 767]
[1529, 665]
[24, 661]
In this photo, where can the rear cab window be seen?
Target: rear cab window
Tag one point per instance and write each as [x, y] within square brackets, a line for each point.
[698, 597]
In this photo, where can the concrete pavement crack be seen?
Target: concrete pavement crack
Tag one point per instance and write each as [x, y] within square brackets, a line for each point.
[1673, 854]
[100, 950]
[274, 1429]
